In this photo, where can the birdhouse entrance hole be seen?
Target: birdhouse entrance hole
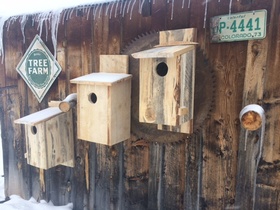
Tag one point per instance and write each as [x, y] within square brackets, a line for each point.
[162, 69]
[92, 98]
[34, 130]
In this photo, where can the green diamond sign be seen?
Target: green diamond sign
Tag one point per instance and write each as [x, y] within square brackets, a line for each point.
[38, 68]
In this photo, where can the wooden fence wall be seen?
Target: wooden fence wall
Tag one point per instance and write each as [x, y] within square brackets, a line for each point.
[204, 171]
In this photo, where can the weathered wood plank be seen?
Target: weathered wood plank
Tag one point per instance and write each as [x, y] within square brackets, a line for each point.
[156, 168]
[109, 194]
[86, 41]
[193, 172]
[174, 176]
[13, 52]
[73, 57]
[220, 144]
[63, 77]
[267, 197]
[249, 145]
[271, 151]
[14, 144]
[136, 171]
[100, 36]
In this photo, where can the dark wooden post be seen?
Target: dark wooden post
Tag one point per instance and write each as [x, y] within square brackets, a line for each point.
[249, 141]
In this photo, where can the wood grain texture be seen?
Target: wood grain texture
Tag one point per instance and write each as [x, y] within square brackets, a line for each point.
[114, 64]
[179, 36]
[50, 142]
[135, 174]
[109, 106]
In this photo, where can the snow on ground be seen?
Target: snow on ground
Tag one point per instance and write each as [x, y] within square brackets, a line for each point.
[17, 203]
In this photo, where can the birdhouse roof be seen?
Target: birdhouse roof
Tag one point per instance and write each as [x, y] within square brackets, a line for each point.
[40, 116]
[164, 52]
[101, 78]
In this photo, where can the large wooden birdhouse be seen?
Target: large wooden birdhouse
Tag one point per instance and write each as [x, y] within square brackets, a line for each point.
[49, 138]
[104, 101]
[167, 81]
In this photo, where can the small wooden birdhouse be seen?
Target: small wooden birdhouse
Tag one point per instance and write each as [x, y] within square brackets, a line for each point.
[49, 138]
[167, 83]
[104, 101]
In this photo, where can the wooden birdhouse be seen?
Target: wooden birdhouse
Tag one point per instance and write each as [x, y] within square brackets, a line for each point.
[104, 101]
[167, 81]
[49, 138]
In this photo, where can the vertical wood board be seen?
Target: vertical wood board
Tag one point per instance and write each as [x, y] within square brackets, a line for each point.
[92, 117]
[114, 64]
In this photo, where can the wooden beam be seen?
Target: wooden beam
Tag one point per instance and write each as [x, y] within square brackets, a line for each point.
[249, 141]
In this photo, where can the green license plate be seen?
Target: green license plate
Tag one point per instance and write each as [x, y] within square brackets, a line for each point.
[238, 27]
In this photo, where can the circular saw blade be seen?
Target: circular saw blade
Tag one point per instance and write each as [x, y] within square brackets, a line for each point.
[203, 96]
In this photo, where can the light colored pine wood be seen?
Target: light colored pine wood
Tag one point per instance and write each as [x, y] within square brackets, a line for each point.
[164, 52]
[49, 138]
[120, 112]
[114, 63]
[102, 79]
[69, 102]
[54, 103]
[93, 117]
[107, 121]
[173, 43]
[180, 35]
[40, 116]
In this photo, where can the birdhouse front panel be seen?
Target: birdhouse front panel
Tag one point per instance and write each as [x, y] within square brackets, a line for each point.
[166, 86]
[92, 113]
[159, 91]
[36, 145]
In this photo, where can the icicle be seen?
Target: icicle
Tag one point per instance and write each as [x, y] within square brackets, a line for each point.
[41, 19]
[69, 13]
[116, 9]
[230, 4]
[63, 17]
[127, 10]
[141, 7]
[172, 10]
[107, 9]
[112, 9]
[95, 11]
[183, 4]
[22, 26]
[46, 26]
[121, 8]
[189, 5]
[2, 23]
[10, 21]
[55, 18]
[100, 10]
[205, 14]
[132, 9]
[88, 12]
[124, 8]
